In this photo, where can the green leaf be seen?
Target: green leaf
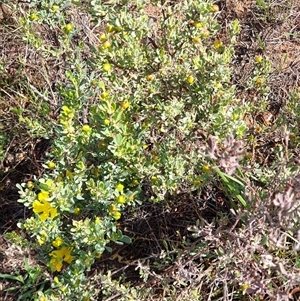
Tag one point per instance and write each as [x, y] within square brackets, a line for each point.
[119, 116]
[126, 239]
[234, 186]
[13, 288]
[108, 249]
[12, 277]
[118, 140]
[102, 85]
[44, 186]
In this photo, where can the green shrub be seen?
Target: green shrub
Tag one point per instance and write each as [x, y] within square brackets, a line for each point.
[137, 109]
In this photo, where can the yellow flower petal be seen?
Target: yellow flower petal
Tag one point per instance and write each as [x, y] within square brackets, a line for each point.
[53, 212]
[57, 242]
[68, 259]
[43, 216]
[41, 241]
[44, 209]
[64, 254]
[37, 207]
[43, 195]
[55, 265]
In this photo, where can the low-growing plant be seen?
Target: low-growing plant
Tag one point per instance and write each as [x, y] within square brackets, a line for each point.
[139, 101]
[28, 286]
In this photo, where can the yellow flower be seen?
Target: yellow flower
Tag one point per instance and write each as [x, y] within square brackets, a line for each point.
[55, 265]
[154, 179]
[68, 27]
[44, 209]
[51, 165]
[196, 40]
[120, 187]
[198, 24]
[150, 77]
[57, 242]
[190, 79]
[244, 288]
[66, 110]
[218, 44]
[41, 241]
[103, 37]
[104, 95]
[106, 121]
[33, 17]
[125, 105]
[43, 195]
[76, 210]
[106, 67]
[197, 182]
[60, 256]
[64, 253]
[112, 209]
[30, 185]
[259, 81]
[205, 168]
[258, 59]
[117, 215]
[54, 8]
[42, 238]
[86, 128]
[106, 45]
[121, 199]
